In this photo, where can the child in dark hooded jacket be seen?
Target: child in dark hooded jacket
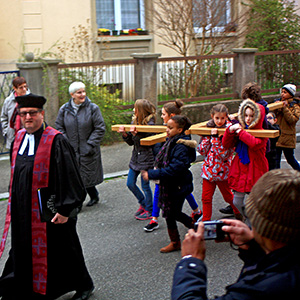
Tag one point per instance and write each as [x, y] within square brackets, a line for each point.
[172, 165]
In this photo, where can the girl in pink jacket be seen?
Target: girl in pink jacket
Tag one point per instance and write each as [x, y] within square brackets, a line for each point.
[217, 162]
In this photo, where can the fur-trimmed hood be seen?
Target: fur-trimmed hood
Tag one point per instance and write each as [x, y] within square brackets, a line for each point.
[259, 114]
[189, 143]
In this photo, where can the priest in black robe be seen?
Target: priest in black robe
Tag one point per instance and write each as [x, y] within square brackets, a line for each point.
[63, 267]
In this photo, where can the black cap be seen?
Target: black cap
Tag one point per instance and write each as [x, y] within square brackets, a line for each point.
[31, 100]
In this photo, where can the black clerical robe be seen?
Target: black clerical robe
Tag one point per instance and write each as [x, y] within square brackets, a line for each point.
[66, 267]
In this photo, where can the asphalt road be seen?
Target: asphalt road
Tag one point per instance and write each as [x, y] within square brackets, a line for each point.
[124, 260]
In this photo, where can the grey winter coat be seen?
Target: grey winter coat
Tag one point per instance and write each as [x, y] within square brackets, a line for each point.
[84, 131]
[8, 108]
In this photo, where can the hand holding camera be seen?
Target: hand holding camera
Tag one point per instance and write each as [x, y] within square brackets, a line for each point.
[194, 242]
[240, 234]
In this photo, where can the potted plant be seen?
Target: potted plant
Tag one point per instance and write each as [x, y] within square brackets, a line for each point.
[141, 31]
[124, 32]
[132, 32]
[114, 32]
[103, 31]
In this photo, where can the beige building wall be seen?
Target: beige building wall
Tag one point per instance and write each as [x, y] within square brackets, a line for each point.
[10, 31]
[35, 26]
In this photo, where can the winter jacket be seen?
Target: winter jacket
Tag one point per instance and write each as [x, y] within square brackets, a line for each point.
[287, 117]
[217, 160]
[8, 108]
[177, 174]
[84, 131]
[142, 157]
[241, 176]
[270, 276]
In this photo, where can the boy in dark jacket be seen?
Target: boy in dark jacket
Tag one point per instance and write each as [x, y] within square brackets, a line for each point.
[272, 154]
[270, 250]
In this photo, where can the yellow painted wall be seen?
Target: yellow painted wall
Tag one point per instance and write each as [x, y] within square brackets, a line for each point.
[10, 29]
[36, 25]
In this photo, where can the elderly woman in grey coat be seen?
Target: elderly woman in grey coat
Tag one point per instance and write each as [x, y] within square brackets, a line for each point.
[82, 123]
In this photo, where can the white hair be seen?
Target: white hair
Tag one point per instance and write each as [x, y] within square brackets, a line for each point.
[75, 86]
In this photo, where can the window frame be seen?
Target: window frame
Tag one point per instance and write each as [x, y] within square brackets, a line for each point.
[118, 15]
[221, 28]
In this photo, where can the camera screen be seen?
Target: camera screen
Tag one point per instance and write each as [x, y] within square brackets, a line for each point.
[210, 231]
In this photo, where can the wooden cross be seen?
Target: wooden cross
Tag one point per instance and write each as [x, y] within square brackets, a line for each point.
[141, 128]
[198, 128]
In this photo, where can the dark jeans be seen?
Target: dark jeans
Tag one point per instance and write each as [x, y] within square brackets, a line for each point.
[176, 214]
[290, 158]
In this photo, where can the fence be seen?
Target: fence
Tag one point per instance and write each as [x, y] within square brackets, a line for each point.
[191, 78]
[275, 68]
[6, 83]
[117, 76]
[195, 78]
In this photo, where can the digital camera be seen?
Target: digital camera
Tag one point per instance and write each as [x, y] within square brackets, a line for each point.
[212, 230]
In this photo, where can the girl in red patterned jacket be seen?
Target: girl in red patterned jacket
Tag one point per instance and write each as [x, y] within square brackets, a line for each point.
[217, 162]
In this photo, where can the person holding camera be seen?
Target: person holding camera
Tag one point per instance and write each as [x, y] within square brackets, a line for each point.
[270, 250]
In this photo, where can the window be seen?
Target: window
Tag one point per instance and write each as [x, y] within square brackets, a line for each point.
[213, 14]
[120, 14]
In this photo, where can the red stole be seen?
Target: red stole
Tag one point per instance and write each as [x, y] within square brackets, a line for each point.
[40, 178]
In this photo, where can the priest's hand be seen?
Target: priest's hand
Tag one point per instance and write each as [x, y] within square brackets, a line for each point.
[59, 219]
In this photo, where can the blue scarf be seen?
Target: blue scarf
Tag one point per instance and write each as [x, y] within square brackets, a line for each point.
[242, 151]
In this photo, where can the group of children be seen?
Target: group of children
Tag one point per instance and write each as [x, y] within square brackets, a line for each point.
[233, 161]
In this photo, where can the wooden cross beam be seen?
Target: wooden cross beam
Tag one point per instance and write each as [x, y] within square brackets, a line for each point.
[275, 105]
[159, 138]
[141, 128]
[198, 128]
[271, 107]
[261, 133]
[153, 139]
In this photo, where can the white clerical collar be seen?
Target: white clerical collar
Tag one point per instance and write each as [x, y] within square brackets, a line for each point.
[29, 138]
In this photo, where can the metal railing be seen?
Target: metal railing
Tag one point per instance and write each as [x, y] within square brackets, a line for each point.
[195, 78]
[276, 68]
[6, 79]
[117, 76]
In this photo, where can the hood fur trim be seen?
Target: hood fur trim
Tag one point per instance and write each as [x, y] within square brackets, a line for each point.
[189, 143]
[241, 116]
